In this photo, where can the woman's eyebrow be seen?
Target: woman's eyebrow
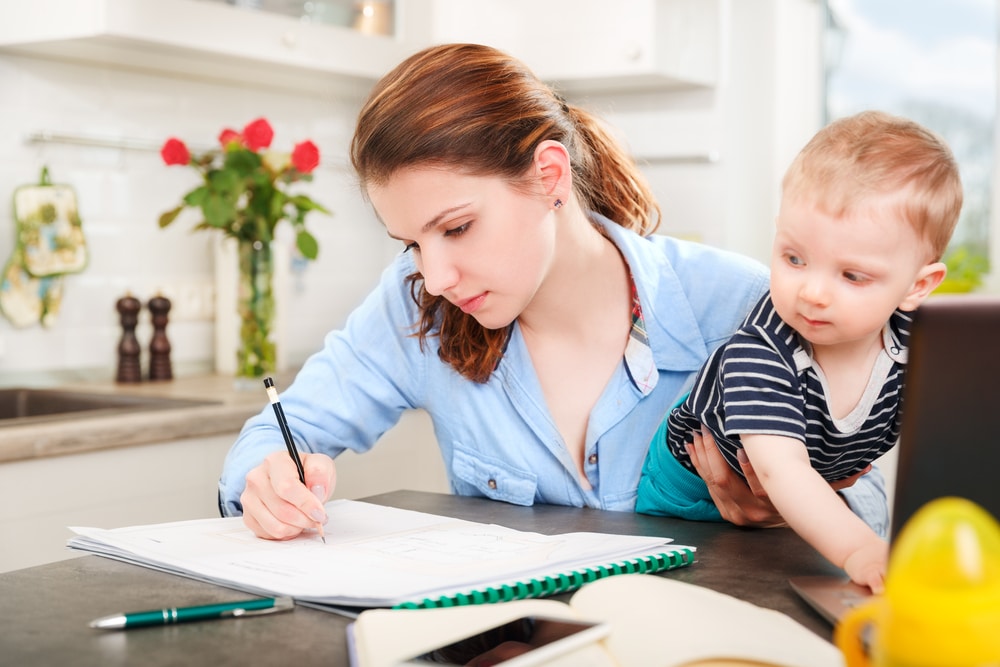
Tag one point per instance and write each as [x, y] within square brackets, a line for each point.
[435, 221]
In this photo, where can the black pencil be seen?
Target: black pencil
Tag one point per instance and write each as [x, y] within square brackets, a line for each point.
[279, 413]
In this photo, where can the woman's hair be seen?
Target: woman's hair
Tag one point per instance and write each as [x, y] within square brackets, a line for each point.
[875, 159]
[477, 110]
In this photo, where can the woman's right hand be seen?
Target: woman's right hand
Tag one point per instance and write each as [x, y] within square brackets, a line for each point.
[743, 503]
[277, 506]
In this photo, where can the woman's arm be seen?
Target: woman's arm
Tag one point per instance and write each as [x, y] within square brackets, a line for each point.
[345, 396]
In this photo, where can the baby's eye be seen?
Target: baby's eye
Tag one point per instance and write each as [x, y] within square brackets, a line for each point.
[411, 246]
[852, 277]
[795, 260]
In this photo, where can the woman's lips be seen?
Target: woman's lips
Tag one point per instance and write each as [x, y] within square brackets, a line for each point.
[470, 306]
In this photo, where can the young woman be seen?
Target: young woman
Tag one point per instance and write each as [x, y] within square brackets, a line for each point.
[531, 313]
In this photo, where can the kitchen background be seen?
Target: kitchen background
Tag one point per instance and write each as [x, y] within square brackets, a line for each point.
[714, 97]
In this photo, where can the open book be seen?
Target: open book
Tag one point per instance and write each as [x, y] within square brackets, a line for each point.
[378, 556]
[655, 622]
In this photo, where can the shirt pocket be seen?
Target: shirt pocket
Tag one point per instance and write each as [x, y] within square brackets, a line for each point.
[493, 478]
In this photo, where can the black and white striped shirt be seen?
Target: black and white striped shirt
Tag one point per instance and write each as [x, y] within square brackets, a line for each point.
[764, 380]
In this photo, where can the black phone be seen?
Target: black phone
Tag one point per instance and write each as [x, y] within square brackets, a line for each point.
[524, 641]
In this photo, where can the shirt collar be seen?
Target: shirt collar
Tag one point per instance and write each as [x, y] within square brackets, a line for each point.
[672, 332]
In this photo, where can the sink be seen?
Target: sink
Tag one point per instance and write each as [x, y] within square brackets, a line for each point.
[21, 405]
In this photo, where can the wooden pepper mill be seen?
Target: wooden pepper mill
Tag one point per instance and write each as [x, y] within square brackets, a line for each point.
[159, 345]
[128, 347]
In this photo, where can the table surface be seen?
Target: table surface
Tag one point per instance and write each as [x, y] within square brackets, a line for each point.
[45, 610]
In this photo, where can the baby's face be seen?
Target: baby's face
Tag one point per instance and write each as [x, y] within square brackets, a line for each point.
[837, 279]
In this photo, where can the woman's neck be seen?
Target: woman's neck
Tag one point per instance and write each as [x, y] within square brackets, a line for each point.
[588, 280]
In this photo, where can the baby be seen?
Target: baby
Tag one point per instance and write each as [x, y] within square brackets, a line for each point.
[810, 385]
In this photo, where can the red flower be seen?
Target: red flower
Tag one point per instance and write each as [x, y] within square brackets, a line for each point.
[228, 136]
[258, 134]
[174, 151]
[305, 156]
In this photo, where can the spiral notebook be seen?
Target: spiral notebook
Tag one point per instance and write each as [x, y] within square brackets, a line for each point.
[377, 556]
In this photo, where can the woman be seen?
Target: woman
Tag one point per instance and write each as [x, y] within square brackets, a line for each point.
[529, 314]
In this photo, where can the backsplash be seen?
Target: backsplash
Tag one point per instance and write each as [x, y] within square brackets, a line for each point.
[122, 191]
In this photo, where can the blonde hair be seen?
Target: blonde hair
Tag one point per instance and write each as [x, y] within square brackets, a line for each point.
[854, 161]
[477, 110]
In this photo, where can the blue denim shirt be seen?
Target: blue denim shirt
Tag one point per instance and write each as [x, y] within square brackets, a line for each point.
[498, 439]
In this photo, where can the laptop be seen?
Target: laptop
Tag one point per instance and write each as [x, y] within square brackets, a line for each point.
[948, 443]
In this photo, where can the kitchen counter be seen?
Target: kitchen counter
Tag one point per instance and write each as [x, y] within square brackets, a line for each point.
[228, 409]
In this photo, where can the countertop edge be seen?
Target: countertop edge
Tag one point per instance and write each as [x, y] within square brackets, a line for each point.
[226, 411]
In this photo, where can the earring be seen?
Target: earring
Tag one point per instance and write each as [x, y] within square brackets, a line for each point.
[558, 203]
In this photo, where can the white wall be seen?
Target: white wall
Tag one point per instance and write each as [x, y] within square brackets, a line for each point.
[765, 107]
[121, 194]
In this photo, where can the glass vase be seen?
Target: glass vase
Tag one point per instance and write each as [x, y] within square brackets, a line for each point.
[256, 352]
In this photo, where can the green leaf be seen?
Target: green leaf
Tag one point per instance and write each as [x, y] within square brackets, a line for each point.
[307, 244]
[219, 211]
[306, 204]
[225, 182]
[170, 216]
[197, 196]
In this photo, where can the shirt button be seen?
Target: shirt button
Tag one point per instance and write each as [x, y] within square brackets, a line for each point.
[492, 484]
[592, 459]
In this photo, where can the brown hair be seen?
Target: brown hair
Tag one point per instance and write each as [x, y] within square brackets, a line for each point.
[475, 109]
[874, 155]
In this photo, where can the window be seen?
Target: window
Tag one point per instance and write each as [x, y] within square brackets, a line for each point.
[933, 61]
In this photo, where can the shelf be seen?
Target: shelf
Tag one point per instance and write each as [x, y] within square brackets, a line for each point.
[203, 40]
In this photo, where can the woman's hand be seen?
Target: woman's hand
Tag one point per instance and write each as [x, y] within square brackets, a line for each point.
[277, 506]
[741, 503]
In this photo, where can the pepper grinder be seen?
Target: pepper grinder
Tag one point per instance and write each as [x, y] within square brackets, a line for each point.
[159, 345]
[128, 347]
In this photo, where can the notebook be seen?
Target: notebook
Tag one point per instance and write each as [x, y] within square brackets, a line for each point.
[948, 443]
[378, 556]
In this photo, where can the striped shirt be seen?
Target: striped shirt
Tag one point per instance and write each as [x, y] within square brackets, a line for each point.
[764, 381]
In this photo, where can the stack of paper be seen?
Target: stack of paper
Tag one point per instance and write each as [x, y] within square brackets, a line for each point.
[378, 556]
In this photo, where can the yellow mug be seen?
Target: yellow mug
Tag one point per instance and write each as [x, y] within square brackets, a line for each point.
[941, 606]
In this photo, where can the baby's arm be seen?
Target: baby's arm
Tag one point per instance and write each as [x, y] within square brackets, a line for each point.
[814, 510]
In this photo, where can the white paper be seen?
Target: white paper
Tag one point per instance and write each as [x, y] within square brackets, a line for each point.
[374, 556]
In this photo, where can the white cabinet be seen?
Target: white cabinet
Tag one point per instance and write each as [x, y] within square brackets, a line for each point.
[581, 45]
[200, 39]
[595, 45]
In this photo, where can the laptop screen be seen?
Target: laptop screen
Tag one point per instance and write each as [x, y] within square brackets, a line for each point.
[949, 443]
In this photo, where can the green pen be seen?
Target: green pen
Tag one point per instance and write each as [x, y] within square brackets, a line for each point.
[201, 613]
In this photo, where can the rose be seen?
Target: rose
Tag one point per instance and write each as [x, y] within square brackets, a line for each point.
[243, 191]
[174, 151]
[257, 134]
[228, 136]
[305, 157]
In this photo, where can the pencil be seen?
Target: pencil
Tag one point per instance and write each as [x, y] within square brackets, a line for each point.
[279, 413]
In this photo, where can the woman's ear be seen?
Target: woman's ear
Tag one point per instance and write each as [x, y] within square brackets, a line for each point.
[553, 169]
[928, 279]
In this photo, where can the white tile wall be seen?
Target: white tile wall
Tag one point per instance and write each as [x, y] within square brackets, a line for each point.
[121, 194]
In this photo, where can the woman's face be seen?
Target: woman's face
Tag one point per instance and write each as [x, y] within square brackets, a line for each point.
[480, 243]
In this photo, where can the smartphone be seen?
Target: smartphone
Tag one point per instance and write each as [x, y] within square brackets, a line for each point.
[522, 642]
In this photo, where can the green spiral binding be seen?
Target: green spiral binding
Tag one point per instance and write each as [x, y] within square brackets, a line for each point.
[563, 582]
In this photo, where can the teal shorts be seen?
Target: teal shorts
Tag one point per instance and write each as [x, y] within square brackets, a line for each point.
[667, 488]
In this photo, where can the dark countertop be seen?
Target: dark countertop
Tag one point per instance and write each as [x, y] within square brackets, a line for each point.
[45, 610]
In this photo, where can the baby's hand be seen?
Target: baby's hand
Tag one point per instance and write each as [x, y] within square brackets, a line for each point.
[866, 566]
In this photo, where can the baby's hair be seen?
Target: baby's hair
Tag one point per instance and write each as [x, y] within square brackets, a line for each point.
[877, 159]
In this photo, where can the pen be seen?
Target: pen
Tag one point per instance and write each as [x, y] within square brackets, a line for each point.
[279, 413]
[202, 613]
